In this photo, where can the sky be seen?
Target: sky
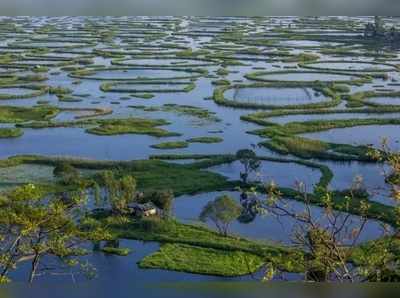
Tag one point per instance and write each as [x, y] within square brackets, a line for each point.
[199, 7]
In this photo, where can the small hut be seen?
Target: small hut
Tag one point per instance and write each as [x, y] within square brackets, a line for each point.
[143, 210]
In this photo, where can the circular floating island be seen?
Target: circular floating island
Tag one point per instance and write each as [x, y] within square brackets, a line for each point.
[21, 91]
[371, 135]
[357, 66]
[308, 76]
[136, 74]
[47, 45]
[384, 100]
[276, 96]
[163, 62]
[148, 87]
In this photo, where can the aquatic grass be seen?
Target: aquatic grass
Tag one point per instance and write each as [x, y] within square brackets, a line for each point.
[90, 73]
[199, 260]
[335, 99]
[13, 114]
[205, 140]
[11, 132]
[119, 251]
[33, 91]
[108, 127]
[173, 232]
[284, 139]
[182, 86]
[310, 65]
[356, 79]
[360, 98]
[185, 110]
[170, 145]
[142, 95]
[262, 117]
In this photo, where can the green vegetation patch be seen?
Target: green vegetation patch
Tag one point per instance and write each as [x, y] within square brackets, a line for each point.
[11, 132]
[90, 74]
[262, 118]
[33, 91]
[192, 259]
[327, 89]
[11, 114]
[151, 175]
[283, 139]
[170, 145]
[119, 251]
[143, 95]
[206, 140]
[185, 110]
[360, 98]
[108, 127]
[129, 87]
[374, 68]
[353, 79]
[171, 231]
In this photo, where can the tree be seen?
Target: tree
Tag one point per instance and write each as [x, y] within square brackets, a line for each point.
[66, 172]
[249, 160]
[331, 239]
[119, 191]
[222, 212]
[40, 229]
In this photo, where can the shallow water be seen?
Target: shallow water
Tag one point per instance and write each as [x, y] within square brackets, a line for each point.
[133, 37]
[332, 116]
[137, 73]
[384, 100]
[15, 91]
[306, 77]
[275, 96]
[282, 173]
[361, 135]
[352, 66]
[266, 227]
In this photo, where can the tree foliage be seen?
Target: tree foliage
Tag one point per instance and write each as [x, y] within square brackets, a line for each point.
[118, 190]
[250, 162]
[40, 229]
[66, 173]
[222, 212]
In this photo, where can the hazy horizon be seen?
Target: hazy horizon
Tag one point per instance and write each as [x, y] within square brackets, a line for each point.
[195, 7]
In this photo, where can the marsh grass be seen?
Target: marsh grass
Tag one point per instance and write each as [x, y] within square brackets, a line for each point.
[205, 140]
[199, 260]
[171, 145]
[11, 132]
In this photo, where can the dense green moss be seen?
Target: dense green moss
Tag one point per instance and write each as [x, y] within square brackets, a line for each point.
[262, 117]
[33, 91]
[11, 114]
[283, 139]
[389, 67]
[200, 260]
[10, 132]
[116, 251]
[130, 87]
[355, 79]
[185, 110]
[111, 126]
[335, 99]
[360, 98]
[170, 145]
[206, 140]
[142, 95]
[170, 231]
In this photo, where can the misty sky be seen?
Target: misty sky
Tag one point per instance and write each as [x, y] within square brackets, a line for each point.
[199, 7]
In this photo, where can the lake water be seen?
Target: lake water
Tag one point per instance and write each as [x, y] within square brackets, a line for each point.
[40, 44]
